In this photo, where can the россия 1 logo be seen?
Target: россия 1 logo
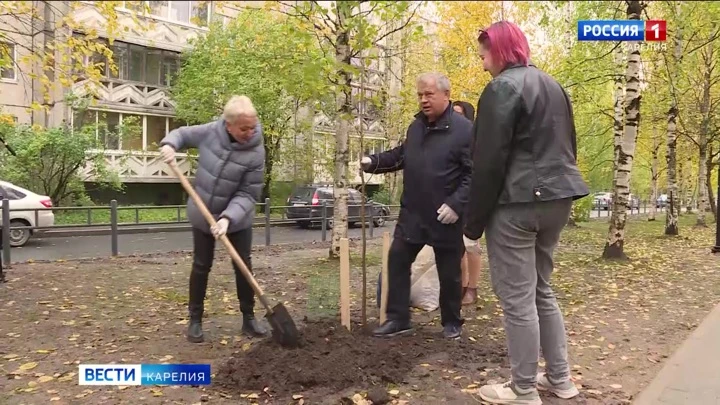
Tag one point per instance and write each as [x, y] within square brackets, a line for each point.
[622, 30]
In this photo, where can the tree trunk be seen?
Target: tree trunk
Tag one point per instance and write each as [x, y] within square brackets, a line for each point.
[703, 173]
[618, 112]
[654, 175]
[614, 248]
[687, 183]
[702, 181]
[708, 182]
[671, 213]
[344, 109]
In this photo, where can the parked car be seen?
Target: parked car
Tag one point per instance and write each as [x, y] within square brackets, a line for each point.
[633, 202]
[661, 201]
[21, 198]
[305, 206]
[602, 201]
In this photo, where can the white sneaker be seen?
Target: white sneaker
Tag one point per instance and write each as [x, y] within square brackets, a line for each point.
[508, 394]
[564, 390]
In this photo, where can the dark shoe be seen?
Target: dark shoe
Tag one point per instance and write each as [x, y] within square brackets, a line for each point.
[452, 331]
[195, 332]
[252, 327]
[469, 296]
[392, 328]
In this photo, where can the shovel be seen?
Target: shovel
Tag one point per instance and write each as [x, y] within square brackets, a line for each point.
[283, 326]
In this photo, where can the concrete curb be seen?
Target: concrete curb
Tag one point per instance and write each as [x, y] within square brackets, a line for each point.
[690, 376]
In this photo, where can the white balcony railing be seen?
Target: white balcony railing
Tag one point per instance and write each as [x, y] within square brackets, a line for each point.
[140, 166]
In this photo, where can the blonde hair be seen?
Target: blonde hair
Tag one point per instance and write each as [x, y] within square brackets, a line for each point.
[237, 106]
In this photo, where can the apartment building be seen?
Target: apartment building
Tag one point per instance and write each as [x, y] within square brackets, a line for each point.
[148, 59]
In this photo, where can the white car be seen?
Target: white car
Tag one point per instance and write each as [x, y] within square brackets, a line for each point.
[20, 199]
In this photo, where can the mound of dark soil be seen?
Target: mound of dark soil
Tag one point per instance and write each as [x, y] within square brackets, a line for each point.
[333, 358]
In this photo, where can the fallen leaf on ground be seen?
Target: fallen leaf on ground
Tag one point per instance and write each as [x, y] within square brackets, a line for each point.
[28, 366]
[616, 386]
[45, 378]
[394, 392]
[297, 396]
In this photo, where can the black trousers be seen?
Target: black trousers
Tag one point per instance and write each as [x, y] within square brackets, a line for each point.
[203, 256]
[400, 260]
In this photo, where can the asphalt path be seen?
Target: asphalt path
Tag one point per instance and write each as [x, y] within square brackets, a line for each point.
[80, 247]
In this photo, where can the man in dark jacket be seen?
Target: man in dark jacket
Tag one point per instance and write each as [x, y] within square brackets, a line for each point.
[435, 159]
[229, 180]
[525, 177]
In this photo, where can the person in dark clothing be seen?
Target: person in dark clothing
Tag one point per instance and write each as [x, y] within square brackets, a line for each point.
[435, 158]
[229, 179]
[525, 178]
[471, 264]
[465, 108]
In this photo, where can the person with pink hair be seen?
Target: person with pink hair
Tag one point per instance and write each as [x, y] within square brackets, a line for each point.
[525, 178]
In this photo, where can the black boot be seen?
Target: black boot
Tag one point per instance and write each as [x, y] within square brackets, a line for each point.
[198, 285]
[195, 332]
[393, 328]
[251, 326]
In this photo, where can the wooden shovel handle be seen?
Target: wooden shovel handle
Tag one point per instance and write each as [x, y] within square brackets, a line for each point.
[211, 220]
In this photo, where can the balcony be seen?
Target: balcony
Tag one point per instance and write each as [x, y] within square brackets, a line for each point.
[142, 167]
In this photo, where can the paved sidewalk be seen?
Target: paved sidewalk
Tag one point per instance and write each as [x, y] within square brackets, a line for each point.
[692, 375]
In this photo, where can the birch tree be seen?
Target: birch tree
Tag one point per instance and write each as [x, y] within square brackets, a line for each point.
[625, 153]
[671, 210]
[337, 27]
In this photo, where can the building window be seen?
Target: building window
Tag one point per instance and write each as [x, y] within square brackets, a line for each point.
[8, 61]
[125, 131]
[186, 12]
[141, 64]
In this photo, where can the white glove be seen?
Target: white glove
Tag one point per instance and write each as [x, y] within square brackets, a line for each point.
[365, 162]
[472, 246]
[447, 215]
[220, 228]
[167, 153]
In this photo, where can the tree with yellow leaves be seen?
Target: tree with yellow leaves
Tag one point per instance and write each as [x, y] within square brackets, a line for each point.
[457, 35]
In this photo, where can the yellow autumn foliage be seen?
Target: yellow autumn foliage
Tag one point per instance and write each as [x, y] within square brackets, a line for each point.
[457, 33]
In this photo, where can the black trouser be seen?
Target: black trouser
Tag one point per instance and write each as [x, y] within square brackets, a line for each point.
[400, 260]
[203, 256]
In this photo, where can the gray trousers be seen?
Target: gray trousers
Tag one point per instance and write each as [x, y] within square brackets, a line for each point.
[521, 239]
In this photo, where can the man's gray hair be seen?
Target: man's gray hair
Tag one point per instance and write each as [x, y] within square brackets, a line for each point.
[441, 81]
[237, 106]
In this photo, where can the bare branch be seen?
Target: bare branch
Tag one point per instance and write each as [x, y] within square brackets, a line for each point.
[399, 28]
[317, 28]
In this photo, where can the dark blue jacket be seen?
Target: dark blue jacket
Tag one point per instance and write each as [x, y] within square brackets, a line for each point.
[437, 169]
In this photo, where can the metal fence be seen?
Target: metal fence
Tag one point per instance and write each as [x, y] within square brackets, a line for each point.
[320, 215]
[317, 215]
[642, 207]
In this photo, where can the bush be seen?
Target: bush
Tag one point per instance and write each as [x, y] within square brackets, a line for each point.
[382, 196]
[581, 209]
[49, 161]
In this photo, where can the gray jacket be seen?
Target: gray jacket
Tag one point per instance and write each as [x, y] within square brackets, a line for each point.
[229, 177]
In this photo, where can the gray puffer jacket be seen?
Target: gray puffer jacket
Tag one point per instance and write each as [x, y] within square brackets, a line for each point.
[229, 177]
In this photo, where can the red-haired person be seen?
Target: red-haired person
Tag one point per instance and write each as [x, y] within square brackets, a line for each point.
[471, 264]
[525, 178]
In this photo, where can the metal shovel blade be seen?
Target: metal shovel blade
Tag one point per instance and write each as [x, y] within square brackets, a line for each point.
[283, 327]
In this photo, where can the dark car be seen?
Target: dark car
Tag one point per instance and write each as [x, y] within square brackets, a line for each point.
[305, 205]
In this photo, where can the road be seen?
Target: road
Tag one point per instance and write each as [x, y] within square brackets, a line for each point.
[78, 247]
